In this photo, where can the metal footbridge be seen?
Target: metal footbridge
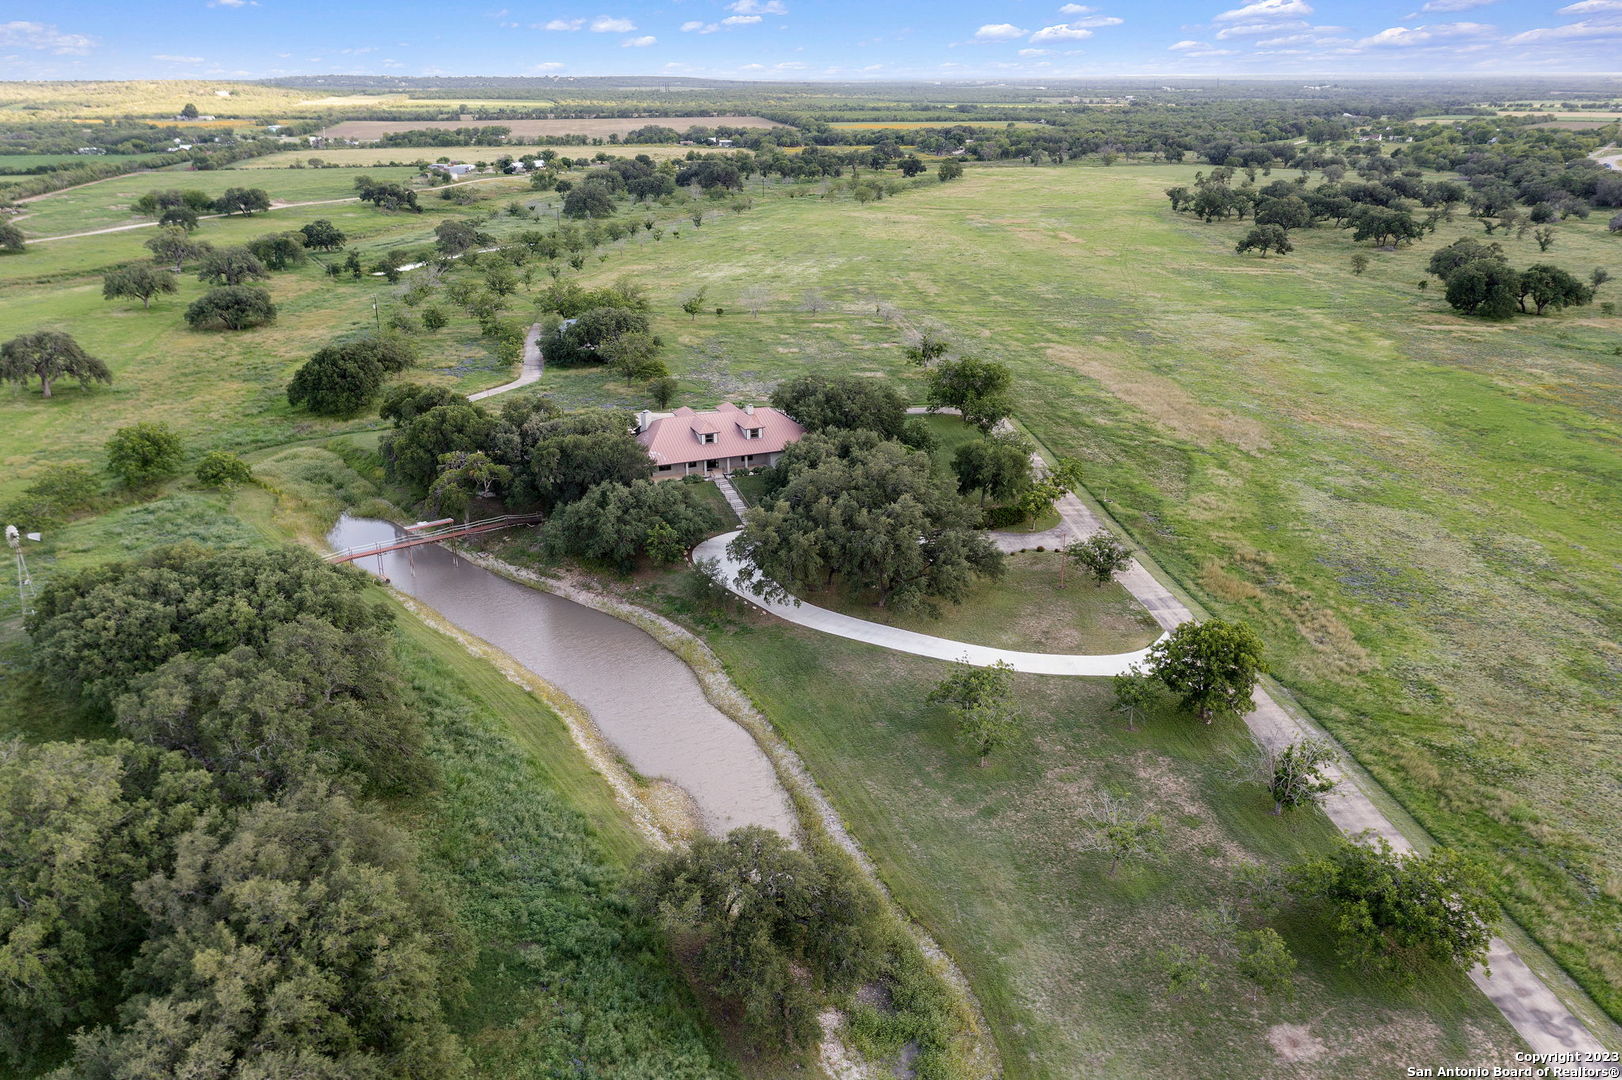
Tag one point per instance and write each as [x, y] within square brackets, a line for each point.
[432, 533]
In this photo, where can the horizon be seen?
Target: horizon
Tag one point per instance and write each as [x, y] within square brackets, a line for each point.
[834, 41]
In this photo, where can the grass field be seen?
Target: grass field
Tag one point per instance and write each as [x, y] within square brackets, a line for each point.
[12, 164]
[372, 156]
[1414, 508]
[100, 205]
[521, 129]
[908, 125]
[1067, 961]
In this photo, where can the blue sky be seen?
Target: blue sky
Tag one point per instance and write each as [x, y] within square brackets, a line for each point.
[809, 39]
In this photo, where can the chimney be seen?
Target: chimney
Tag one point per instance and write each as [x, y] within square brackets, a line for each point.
[643, 418]
[749, 410]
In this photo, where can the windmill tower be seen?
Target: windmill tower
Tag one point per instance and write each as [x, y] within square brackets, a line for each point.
[25, 584]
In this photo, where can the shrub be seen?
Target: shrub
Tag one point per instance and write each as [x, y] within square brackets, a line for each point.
[143, 453]
[223, 469]
[231, 307]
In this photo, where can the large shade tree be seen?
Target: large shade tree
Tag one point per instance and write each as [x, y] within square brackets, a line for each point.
[869, 514]
[49, 355]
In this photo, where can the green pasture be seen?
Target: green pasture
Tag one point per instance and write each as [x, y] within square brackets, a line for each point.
[1414, 508]
[1068, 962]
[108, 202]
[350, 156]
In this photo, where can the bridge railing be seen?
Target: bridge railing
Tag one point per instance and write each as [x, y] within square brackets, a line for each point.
[432, 536]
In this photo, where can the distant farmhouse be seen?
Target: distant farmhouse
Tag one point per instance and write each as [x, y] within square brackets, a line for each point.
[686, 443]
[457, 169]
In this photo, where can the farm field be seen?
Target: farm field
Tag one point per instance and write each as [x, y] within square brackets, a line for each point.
[599, 128]
[909, 125]
[349, 156]
[16, 164]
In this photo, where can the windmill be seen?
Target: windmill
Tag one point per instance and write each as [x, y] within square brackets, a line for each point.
[25, 584]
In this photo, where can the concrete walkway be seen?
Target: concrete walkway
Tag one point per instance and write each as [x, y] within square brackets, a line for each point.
[1534, 1010]
[890, 637]
[529, 373]
[731, 495]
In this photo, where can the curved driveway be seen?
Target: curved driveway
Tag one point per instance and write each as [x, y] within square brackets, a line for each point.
[890, 637]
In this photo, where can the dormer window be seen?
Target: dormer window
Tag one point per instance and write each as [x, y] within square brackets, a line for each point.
[753, 433]
[706, 436]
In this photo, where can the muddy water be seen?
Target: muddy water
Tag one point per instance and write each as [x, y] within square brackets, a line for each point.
[640, 695]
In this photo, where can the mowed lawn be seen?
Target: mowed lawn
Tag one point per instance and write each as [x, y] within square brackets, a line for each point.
[1418, 511]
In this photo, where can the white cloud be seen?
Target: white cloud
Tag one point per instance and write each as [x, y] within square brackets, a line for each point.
[1033, 52]
[1455, 5]
[1266, 9]
[563, 24]
[166, 58]
[33, 35]
[1304, 39]
[639, 42]
[1062, 32]
[233, 3]
[758, 7]
[1075, 9]
[740, 20]
[998, 32]
[1256, 29]
[699, 26]
[609, 24]
[550, 65]
[1408, 36]
[1183, 46]
[1570, 32]
[791, 65]
[1590, 7]
[1097, 20]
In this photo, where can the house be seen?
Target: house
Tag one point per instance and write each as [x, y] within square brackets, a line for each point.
[452, 170]
[686, 443]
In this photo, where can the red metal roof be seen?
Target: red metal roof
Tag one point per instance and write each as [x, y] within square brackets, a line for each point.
[673, 440]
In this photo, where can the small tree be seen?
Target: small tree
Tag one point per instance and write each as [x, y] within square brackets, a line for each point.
[694, 304]
[242, 201]
[1136, 691]
[336, 382]
[1265, 238]
[12, 240]
[1544, 237]
[1393, 912]
[231, 266]
[48, 355]
[323, 235]
[1295, 774]
[1599, 276]
[174, 247]
[998, 466]
[434, 318]
[222, 469]
[1266, 960]
[1186, 971]
[981, 698]
[1360, 262]
[143, 453]
[279, 251]
[663, 391]
[183, 217]
[978, 389]
[140, 282]
[1120, 830]
[239, 307]
[929, 347]
[1214, 665]
[949, 170]
[635, 356]
[1101, 555]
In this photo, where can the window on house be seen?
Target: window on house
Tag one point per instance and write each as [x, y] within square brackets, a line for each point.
[754, 432]
[664, 468]
[707, 436]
